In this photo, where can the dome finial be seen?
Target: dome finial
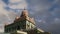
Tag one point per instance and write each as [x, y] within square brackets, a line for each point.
[24, 12]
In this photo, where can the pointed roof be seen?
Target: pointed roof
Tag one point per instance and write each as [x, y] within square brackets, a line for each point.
[24, 13]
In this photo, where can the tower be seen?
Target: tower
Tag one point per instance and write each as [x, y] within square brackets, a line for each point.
[29, 22]
[22, 23]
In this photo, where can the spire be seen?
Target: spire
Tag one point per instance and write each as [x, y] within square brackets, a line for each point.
[24, 12]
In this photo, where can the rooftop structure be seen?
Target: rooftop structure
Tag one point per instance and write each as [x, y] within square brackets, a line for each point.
[23, 25]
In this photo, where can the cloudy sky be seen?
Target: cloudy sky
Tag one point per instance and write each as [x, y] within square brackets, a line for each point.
[45, 12]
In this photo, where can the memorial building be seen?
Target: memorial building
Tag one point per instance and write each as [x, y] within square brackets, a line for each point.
[23, 25]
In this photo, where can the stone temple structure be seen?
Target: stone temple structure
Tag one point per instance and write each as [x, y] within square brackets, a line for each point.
[23, 25]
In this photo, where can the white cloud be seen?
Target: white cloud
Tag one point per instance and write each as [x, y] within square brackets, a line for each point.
[41, 8]
[21, 4]
[13, 1]
[3, 11]
[5, 16]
